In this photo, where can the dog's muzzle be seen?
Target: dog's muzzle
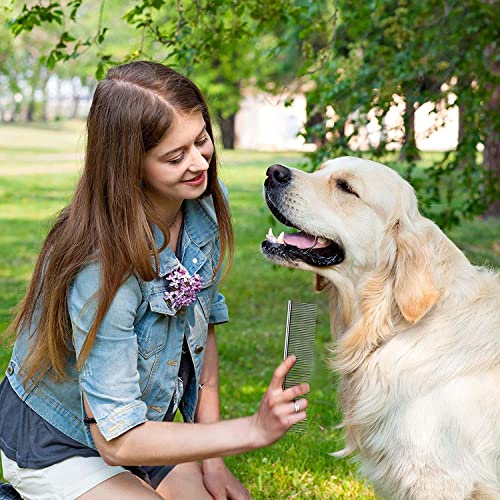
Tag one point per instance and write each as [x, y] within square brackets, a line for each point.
[314, 250]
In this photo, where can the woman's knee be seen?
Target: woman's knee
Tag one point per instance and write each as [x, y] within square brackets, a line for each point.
[185, 481]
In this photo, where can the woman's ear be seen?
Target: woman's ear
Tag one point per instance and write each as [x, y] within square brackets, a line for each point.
[415, 289]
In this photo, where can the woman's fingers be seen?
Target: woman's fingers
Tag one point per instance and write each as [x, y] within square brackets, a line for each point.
[280, 409]
[296, 417]
[290, 407]
[299, 405]
[282, 400]
[296, 391]
[280, 372]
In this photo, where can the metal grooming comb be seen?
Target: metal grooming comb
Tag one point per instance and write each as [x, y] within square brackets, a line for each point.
[299, 340]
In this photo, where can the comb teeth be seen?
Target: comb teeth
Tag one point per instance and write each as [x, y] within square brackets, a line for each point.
[299, 340]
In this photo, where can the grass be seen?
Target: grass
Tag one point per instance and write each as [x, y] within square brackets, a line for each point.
[256, 292]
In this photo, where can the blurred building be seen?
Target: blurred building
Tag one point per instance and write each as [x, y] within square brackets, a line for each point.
[264, 122]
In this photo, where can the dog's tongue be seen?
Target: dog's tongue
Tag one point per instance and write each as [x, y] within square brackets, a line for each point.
[304, 240]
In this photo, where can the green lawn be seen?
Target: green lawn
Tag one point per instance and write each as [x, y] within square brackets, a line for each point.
[38, 169]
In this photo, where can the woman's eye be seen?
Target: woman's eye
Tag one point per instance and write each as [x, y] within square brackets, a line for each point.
[345, 186]
[176, 161]
[202, 141]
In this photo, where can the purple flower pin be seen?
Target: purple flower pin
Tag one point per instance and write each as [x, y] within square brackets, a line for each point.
[182, 288]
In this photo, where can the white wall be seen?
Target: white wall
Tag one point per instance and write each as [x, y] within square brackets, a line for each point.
[263, 122]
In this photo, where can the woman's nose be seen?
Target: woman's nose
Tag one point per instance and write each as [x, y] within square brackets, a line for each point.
[198, 160]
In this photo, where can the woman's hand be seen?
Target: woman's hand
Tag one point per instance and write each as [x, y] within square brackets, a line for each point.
[220, 482]
[279, 409]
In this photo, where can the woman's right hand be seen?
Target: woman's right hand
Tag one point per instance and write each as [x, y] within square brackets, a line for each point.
[277, 410]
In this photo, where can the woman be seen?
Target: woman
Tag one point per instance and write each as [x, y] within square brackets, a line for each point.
[116, 331]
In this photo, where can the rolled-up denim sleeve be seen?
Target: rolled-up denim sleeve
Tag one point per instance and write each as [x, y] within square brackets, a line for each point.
[109, 378]
[219, 312]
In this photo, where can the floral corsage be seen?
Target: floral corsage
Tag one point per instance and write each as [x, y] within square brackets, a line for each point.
[182, 288]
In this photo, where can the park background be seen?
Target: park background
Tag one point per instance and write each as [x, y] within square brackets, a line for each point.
[412, 84]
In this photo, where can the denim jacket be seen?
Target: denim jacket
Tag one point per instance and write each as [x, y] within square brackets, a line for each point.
[130, 375]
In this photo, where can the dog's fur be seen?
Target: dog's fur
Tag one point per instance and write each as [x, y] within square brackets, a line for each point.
[417, 331]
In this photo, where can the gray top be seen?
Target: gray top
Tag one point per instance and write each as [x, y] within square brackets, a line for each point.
[28, 439]
[31, 442]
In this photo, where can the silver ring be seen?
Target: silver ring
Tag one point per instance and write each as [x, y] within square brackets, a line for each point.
[296, 406]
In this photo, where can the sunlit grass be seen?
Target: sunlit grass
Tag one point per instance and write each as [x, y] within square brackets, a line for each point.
[251, 344]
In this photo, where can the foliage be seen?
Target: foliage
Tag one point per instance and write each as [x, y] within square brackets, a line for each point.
[356, 60]
[223, 45]
[23, 56]
[422, 51]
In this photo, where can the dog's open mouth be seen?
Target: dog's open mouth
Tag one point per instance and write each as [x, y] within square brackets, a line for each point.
[301, 246]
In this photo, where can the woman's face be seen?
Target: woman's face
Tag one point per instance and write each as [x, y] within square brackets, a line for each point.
[176, 169]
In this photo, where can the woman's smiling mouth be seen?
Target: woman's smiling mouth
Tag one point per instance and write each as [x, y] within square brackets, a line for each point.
[196, 181]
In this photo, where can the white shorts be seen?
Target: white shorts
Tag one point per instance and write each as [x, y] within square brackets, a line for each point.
[65, 480]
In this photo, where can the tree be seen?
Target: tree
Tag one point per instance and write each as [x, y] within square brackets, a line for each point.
[356, 56]
[223, 45]
[421, 50]
[22, 71]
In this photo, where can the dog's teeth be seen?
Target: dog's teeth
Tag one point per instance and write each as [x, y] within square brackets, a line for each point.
[322, 241]
[281, 238]
[270, 236]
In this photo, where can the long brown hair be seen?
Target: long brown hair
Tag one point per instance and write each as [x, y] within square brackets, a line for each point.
[110, 217]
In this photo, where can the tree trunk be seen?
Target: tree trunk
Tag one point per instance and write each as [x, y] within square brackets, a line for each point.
[77, 91]
[409, 151]
[30, 110]
[45, 103]
[491, 155]
[227, 131]
[341, 130]
[34, 82]
[466, 124]
[492, 162]
[314, 119]
[59, 100]
[16, 111]
[45, 97]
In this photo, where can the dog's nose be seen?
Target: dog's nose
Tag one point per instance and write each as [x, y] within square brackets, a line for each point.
[279, 174]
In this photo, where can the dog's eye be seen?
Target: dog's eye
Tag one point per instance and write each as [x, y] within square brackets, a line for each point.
[345, 186]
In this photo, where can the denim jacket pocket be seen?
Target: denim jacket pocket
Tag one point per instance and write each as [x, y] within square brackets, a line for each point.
[152, 327]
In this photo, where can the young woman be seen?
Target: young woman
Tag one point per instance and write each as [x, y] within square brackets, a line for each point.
[116, 331]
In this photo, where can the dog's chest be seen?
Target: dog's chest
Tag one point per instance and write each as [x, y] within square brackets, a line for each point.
[392, 408]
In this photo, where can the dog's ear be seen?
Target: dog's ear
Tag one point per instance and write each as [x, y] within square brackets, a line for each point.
[415, 289]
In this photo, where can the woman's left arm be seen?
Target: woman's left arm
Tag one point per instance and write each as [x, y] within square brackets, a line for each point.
[218, 479]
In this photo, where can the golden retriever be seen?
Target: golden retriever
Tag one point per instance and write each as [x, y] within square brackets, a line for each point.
[417, 328]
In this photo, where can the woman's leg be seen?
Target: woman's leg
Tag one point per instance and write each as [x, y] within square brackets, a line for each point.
[124, 485]
[77, 477]
[184, 482]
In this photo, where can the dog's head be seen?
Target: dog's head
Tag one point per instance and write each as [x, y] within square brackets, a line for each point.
[357, 223]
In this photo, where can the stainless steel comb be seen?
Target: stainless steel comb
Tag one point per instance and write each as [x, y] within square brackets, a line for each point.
[299, 340]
